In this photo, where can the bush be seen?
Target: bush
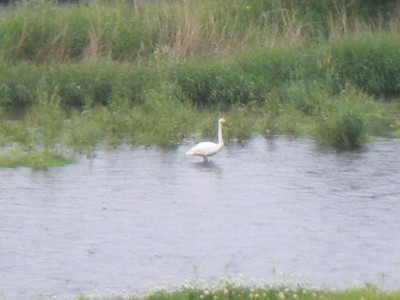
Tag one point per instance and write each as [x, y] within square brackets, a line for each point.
[348, 130]
[343, 124]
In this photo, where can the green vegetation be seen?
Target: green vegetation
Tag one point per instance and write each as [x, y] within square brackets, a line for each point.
[232, 292]
[271, 293]
[76, 77]
[37, 161]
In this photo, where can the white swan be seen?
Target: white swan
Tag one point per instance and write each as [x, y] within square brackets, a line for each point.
[205, 149]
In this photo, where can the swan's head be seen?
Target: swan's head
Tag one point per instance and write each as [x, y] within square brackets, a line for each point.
[221, 120]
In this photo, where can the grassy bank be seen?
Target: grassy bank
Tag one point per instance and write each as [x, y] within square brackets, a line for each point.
[74, 78]
[231, 292]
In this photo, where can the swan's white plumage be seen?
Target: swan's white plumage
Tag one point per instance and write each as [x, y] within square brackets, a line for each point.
[205, 149]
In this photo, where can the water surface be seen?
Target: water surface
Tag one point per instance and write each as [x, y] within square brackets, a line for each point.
[132, 219]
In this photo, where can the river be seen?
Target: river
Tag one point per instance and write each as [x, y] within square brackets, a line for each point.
[132, 219]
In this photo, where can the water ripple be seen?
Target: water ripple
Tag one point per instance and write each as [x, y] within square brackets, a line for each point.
[132, 218]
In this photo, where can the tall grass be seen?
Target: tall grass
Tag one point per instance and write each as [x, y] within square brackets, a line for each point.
[147, 73]
[368, 63]
[123, 31]
[75, 84]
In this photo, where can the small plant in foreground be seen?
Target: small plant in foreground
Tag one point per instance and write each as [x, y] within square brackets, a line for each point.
[347, 130]
[344, 124]
[37, 161]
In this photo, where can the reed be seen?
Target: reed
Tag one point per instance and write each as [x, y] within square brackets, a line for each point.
[157, 73]
[366, 62]
[75, 84]
[121, 31]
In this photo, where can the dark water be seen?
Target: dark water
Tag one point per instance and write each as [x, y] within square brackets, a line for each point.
[133, 219]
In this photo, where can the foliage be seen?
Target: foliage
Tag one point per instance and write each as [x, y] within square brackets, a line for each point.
[154, 73]
[344, 126]
[206, 84]
[75, 84]
[367, 62]
[233, 291]
[40, 31]
[35, 160]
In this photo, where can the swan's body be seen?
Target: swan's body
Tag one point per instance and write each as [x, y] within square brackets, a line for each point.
[206, 149]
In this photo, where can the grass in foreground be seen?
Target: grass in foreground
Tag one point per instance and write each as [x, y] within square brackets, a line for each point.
[232, 292]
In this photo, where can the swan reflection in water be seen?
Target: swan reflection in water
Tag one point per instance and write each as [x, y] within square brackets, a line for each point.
[208, 166]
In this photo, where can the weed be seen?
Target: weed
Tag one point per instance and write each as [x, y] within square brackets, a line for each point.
[233, 291]
[344, 126]
[34, 160]
[154, 74]
[211, 84]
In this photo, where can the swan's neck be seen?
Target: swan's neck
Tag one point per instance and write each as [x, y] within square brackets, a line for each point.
[220, 139]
